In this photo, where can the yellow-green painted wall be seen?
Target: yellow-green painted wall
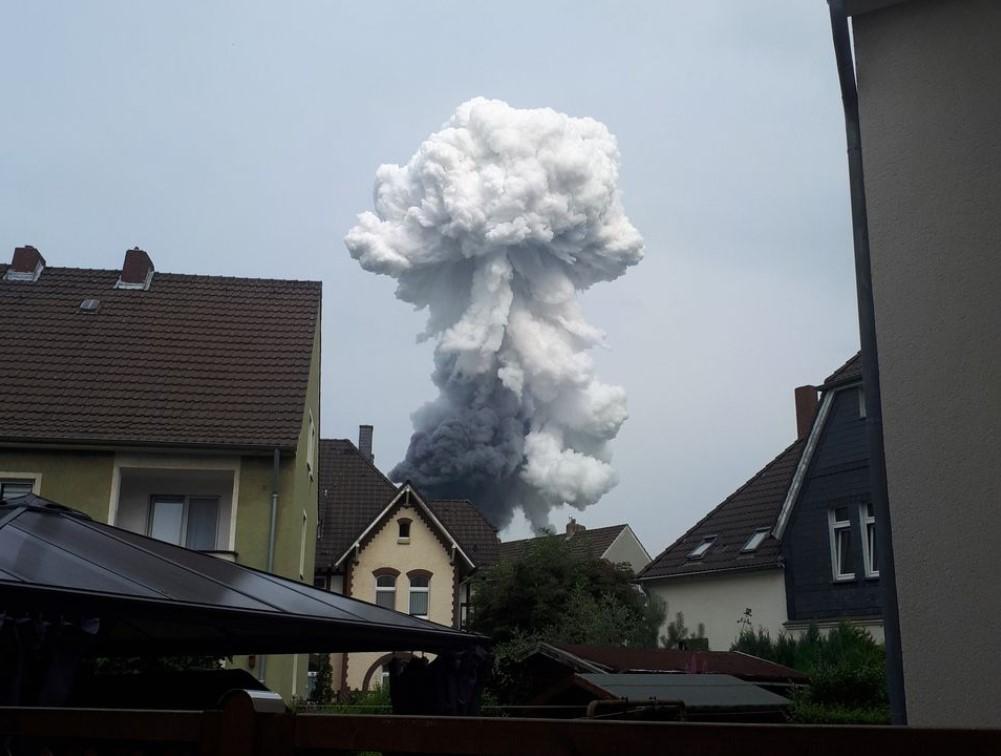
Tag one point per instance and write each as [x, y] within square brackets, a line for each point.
[76, 478]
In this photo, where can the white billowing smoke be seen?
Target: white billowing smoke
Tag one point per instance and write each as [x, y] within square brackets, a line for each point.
[494, 225]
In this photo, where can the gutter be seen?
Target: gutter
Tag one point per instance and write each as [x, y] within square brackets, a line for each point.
[870, 362]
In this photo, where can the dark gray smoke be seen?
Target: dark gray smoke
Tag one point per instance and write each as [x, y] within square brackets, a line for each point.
[494, 225]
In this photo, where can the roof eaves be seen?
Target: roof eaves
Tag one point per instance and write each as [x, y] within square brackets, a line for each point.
[757, 566]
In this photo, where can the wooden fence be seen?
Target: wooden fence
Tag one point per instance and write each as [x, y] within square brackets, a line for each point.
[237, 729]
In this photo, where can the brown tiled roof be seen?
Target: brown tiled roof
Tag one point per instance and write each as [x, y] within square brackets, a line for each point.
[744, 666]
[591, 542]
[193, 361]
[353, 492]
[847, 373]
[754, 505]
[468, 526]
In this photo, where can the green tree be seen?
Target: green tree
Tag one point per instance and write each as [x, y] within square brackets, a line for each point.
[556, 595]
[322, 692]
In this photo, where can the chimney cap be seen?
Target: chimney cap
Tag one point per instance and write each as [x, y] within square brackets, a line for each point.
[26, 264]
[137, 270]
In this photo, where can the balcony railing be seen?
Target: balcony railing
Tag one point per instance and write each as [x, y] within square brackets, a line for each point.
[236, 728]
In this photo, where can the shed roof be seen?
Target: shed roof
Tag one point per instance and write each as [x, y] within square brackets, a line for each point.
[192, 361]
[628, 659]
[153, 595]
[696, 691]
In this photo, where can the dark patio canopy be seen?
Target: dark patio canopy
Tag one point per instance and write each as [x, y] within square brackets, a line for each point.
[154, 598]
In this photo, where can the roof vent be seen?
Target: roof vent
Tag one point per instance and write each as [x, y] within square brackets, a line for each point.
[26, 265]
[137, 270]
[90, 305]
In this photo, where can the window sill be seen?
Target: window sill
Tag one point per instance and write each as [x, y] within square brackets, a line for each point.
[228, 556]
[403, 540]
[845, 579]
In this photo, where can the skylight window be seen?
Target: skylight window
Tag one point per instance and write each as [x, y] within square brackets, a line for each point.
[700, 551]
[757, 538]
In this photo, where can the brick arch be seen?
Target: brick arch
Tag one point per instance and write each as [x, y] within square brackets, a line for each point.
[381, 661]
[420, 573]
[386, 571]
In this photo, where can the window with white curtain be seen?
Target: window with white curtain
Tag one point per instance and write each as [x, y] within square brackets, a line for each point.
[189, 521]
[420, 589]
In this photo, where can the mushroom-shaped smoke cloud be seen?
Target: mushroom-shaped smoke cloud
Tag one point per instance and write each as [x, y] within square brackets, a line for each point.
[494, 225]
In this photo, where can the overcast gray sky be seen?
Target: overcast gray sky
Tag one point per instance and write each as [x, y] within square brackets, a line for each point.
[243, 138]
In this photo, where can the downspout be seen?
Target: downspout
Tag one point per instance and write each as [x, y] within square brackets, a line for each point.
[276, 457]
[870, 363]
[274, 509]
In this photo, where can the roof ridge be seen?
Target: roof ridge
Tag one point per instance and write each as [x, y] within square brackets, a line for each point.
[722, 504]
[164, 273]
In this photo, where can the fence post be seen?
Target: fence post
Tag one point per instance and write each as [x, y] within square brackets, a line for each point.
[246, 725]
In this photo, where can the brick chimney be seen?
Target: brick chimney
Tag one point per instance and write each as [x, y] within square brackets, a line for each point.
[806, 410]
[27, 264]
[137, 270]
[574, 527]
[365, 442]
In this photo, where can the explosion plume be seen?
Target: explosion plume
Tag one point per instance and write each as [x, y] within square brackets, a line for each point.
[493, 226]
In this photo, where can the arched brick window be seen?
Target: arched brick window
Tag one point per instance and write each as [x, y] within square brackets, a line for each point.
[420, 593]
[385, 587]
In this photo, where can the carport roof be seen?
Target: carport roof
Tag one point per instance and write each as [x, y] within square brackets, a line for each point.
[153, 597]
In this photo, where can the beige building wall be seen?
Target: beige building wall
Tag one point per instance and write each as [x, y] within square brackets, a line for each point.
[719, 601]
[77, 478]
[929, 75]
[423, 551]
[627, 549]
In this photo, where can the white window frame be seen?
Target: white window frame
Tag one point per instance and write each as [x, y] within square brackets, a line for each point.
[867, 524]
[703, 548]
[184, 516]
[836, 526]
[756, 539]
[311, 446]
[426, 590]
[385, 589]
[35, 478]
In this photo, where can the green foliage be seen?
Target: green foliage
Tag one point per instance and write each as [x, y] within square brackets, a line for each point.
[552, 594]
[847, 670]
[678, 633]
[323, 692]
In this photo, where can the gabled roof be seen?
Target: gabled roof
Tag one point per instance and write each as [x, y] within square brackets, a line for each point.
[755, 505]
[151, 595]
[764, 502]
[627, 659]
[192, 361]
[850, 372]
[593, 542]
[354, 494]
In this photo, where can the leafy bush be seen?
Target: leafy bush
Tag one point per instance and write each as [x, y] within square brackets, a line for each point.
[847, 670]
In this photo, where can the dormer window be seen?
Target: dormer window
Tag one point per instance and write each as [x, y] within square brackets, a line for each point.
[757, 538]
[700, 551]
[404, 532]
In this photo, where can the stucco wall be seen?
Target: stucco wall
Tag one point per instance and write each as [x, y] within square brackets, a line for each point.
[929, 76]
[719, 602]
[423, 552]
[627, 549]
[78, 479]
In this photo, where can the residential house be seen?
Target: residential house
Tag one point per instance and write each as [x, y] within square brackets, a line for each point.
[616, 544]
[391, 546]
[793, 546]
[928, 75]
[183, 407]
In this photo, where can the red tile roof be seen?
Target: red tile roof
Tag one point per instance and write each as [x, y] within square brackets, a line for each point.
[193, 361]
